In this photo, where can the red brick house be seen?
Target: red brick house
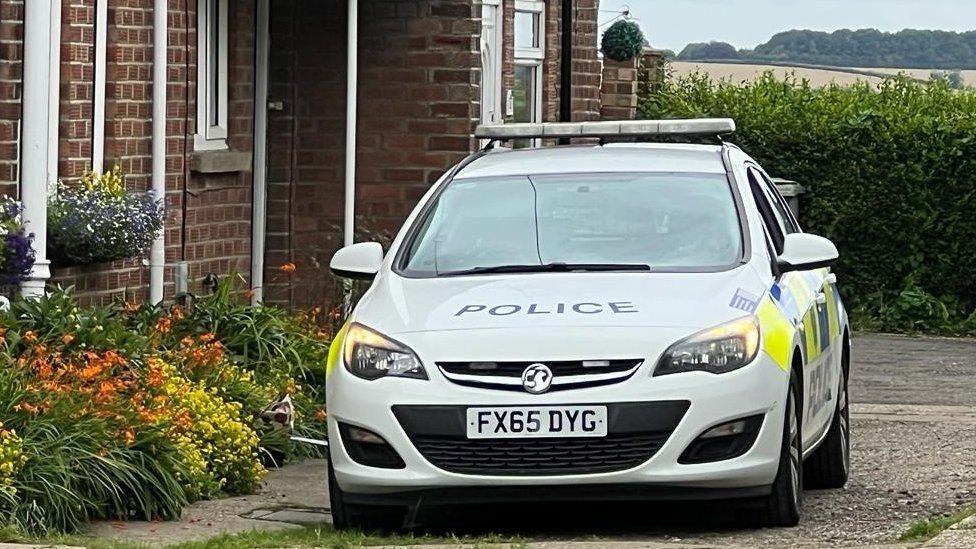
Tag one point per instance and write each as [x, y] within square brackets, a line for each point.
[249, 139]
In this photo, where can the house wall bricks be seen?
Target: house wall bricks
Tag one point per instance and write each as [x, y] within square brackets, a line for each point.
[11, 71]
[418, 93]
[216, 235]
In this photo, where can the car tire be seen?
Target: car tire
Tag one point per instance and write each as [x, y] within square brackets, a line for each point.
[830, 464]
[366, 518]
[782, 506]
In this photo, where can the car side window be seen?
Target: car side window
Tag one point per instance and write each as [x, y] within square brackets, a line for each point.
[780, 207]
[774, 228]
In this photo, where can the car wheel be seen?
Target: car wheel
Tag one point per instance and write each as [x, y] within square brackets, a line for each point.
[830, 464]
[782, 506]
[367, 518]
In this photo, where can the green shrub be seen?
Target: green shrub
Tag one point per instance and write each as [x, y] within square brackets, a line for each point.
[890, 174]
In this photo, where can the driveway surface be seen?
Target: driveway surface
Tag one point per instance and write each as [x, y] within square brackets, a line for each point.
[913, 455]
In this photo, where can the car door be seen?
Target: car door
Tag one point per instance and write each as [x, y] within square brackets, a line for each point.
[804, 296]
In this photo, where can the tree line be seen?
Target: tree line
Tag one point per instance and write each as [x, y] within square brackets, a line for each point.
[917, 49]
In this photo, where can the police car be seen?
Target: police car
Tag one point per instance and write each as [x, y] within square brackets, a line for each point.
[619, 320]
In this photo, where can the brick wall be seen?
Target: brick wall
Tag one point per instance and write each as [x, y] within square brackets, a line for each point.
[207, 216]
[418, 93]
[418, 100]
[586, 64]
[11, 70]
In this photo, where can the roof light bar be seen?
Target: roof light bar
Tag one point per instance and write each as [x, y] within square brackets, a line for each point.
[625, 128]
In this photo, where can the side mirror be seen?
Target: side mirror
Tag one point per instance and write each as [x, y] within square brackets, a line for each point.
[360, 261]
[802, 252]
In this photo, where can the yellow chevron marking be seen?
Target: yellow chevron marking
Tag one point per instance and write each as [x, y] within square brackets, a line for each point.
[777, 332]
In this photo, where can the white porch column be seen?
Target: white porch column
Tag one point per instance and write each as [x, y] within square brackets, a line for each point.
[352, 77]
[36, 137]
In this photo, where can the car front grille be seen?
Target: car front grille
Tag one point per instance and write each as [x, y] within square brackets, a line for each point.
[525, 457]
[567, 374]
[635, 433]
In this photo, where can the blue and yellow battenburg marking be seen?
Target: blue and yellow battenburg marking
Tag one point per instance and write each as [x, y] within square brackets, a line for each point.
[335, 350]
[790, 300]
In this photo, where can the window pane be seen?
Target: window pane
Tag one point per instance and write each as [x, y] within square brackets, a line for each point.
[526, 29]
[665, 221]
[524, 99]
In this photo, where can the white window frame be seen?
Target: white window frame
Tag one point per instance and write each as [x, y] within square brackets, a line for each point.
[492, 40]
[211, 135]
[534, 56]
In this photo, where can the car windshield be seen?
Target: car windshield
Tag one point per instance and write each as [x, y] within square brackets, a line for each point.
[640, 221]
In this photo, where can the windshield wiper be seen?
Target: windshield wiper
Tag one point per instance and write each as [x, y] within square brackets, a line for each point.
[551, 268]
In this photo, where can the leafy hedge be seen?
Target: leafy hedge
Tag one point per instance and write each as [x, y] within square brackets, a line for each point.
[890, 174]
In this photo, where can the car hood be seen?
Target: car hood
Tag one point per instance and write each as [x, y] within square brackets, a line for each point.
[396, 305]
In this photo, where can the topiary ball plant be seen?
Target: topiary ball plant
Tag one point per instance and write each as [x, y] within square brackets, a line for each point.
[622, 41]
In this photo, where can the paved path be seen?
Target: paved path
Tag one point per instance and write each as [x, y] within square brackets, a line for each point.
[913, 454]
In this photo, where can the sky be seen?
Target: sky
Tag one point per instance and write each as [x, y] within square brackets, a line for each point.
[672, 24]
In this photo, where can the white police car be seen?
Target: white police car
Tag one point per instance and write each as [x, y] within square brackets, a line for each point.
[620, 320]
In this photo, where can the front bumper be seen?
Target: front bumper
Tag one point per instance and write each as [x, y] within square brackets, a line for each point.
[759, 388]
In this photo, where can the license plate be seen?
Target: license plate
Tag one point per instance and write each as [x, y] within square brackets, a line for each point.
[537, 422]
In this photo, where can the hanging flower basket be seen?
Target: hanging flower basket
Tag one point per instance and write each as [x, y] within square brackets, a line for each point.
[16, 253]
[622, 41]
[99, 221]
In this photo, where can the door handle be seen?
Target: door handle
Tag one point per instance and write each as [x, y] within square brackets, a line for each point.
[821, 298]
[831, 278]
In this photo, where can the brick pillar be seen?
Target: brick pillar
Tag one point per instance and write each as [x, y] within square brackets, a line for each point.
[650, 76]
[618, 93]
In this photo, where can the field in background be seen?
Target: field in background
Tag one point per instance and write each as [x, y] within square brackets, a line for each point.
[818, 77]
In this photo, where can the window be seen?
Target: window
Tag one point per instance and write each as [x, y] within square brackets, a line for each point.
[783, 211]
[491, 61]
[774, 229]
[684, 222]
[211, 75]
[529, 54]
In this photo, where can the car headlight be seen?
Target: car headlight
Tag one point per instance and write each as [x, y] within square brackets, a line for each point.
[370, 355]
[717, 350]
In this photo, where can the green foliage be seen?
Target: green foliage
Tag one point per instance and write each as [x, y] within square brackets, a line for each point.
[132, 411]
[931, 527]
[867, 48]
[623, 40]
[910, 48]
[708, 50]
[890, 174]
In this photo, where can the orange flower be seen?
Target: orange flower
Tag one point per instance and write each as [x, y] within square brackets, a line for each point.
[207, 337]
[67, 339]
[288, 268]
[130, 437]
[176, 312]
[320, 415]
[248, 294]
[131, 307]
[30, 337]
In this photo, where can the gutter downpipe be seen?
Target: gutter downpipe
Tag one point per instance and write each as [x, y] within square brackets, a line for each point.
[35, 136]
[157, 253]
[259, 192]
[566, 66]
[352, 77]
[98, 104]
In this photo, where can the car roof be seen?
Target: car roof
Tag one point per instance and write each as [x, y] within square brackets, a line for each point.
[614, 157]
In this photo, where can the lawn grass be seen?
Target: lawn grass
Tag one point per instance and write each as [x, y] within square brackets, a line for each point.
[310, 536]
[933, 526]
